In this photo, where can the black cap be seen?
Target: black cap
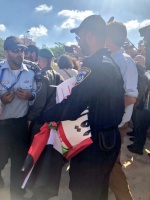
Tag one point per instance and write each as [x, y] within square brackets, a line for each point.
[91, 23]
[46, 53]
[13, 43]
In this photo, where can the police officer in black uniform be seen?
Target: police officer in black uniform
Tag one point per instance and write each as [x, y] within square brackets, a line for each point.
[100, 89]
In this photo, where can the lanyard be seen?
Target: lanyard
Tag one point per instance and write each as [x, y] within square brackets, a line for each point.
[4, 86]
[67, 73]
[1, 75]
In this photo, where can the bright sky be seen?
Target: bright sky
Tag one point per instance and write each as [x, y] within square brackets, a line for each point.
[50, 21]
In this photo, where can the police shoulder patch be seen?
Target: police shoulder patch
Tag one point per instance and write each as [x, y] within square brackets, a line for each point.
[82, 75]
[2, 62]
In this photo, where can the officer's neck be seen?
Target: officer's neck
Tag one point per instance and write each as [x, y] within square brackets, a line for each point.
[114, 49]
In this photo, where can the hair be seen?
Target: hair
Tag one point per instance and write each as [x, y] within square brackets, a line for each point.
[65, 62]
[33, 48]
[117, 32]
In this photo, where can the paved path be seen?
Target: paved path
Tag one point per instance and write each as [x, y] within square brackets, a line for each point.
[136, 167]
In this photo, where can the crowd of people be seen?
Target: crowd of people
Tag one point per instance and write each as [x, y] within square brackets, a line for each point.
[112, 83]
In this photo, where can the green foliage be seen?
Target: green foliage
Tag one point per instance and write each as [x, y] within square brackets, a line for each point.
[2, 55]
[58, 50]
[44, 46]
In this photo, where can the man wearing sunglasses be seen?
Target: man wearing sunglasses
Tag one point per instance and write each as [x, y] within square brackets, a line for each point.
[17, 91]
[99, 87]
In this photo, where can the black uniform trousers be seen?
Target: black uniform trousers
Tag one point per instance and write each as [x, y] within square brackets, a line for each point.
[14, 143]
[89, 176]
[143, 121]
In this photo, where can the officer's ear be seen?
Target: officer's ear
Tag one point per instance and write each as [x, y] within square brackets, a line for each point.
[89, 36]
[109, 39]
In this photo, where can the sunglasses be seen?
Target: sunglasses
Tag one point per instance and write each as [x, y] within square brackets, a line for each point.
[77, 39]
[18, 50]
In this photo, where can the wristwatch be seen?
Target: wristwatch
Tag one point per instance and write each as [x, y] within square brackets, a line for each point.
[32, 97]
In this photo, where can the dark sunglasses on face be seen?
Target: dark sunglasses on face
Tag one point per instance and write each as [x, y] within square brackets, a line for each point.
[77, 39]
[18, 50]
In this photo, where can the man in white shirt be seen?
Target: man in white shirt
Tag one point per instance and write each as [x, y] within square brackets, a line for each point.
[116, 36]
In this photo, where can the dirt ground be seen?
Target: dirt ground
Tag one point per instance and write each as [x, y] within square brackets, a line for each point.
[136, 167]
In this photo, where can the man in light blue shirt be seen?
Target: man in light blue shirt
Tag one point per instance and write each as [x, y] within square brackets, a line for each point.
[116, 36]
[17, 91]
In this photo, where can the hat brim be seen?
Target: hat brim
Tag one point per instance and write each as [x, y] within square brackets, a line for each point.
[21, 46]
[75, 30]
[16, 47]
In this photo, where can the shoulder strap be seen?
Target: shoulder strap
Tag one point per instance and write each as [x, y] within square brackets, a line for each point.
[1, 75]
[67, 73]
[57, 77]
[32, 66]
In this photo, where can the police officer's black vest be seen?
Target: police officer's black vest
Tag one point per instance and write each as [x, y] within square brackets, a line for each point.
[110, 104]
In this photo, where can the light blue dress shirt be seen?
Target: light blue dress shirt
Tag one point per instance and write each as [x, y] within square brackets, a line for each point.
[130, 77]
[128, 70]
[17, 108]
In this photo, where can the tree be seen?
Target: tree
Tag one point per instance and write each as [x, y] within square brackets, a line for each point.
[58, 50]
[2, 55]
[44, 46]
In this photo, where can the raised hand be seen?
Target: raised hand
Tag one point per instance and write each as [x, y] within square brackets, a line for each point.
[7, 97]
[23, 94]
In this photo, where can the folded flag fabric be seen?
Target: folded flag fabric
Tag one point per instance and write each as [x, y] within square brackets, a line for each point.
[38, 144]
[74, 135]
[44, 160]
[47, 171]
